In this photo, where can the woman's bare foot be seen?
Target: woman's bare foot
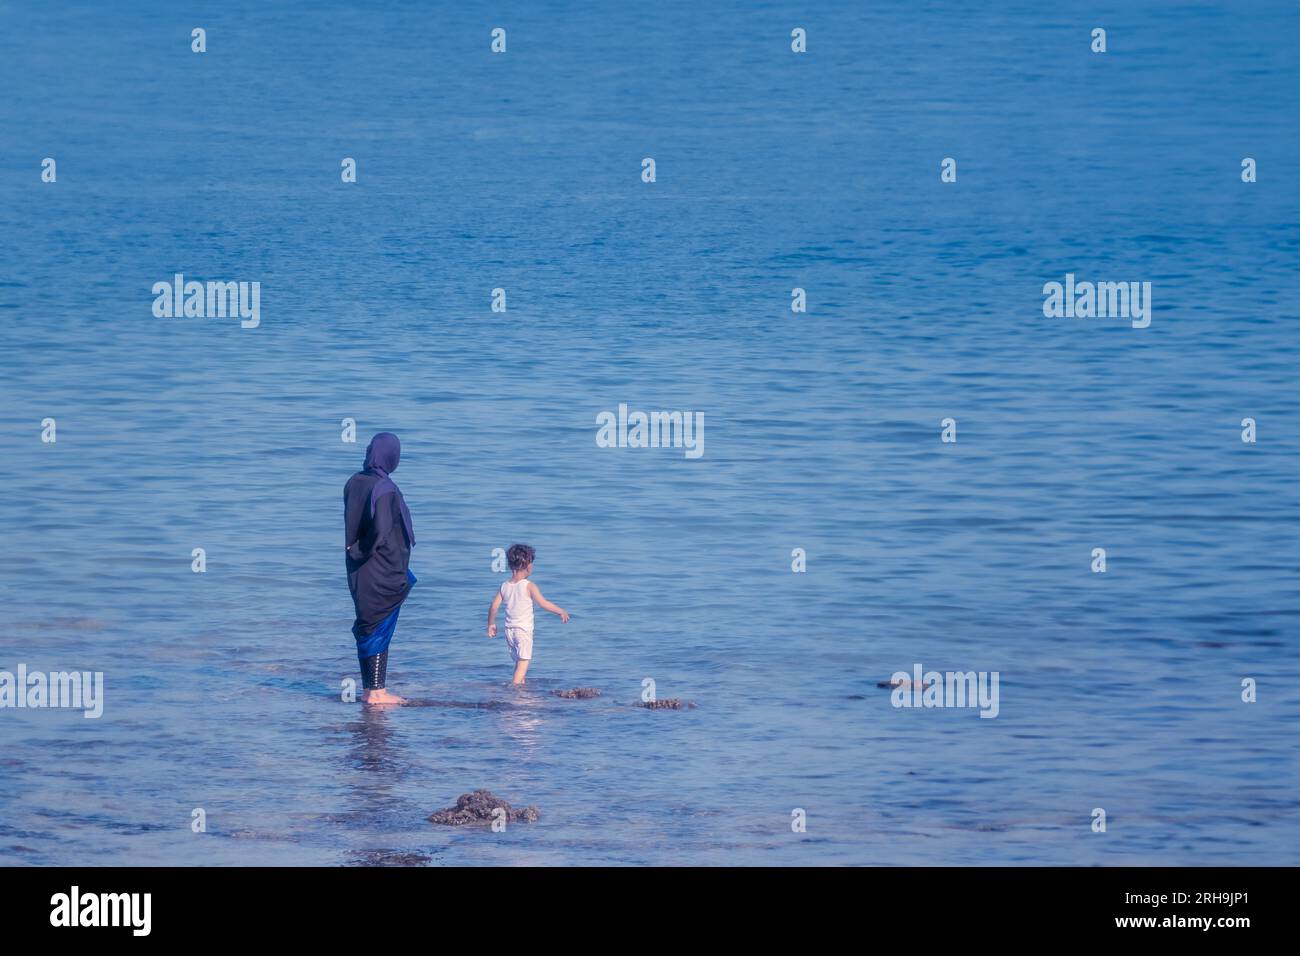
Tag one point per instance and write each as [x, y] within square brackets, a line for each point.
[381, 696]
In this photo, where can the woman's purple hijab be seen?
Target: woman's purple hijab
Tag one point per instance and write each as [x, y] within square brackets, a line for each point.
[382, 455]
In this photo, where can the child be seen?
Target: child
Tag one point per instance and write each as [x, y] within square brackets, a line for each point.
[519, 594]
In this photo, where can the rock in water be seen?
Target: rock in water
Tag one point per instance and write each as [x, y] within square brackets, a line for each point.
[390, 858]
[908, 684]
[670, 703]
[478, 809]
[577, 693]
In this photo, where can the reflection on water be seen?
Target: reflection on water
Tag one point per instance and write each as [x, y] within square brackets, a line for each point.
[520, 728]
[374, 748]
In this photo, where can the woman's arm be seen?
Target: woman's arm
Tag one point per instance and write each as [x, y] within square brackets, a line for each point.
[384, 508]
[354, 507]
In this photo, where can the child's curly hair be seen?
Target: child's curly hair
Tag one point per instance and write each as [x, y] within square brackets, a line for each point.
[520, 556]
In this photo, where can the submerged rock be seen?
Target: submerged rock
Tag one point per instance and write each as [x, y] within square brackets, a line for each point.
[668, 703]
[468, 704]
[909, 684]
[390, 858]
[478, 809]
[577, 693]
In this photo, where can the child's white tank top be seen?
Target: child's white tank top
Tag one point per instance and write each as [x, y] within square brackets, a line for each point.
[518, 603]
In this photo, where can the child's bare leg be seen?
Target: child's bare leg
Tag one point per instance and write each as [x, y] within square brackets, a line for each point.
[521, 668]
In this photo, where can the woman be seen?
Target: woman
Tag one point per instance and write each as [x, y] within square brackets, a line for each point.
[378, 537]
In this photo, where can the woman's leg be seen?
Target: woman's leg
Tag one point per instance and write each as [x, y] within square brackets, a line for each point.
[372, 654]
[374, 671]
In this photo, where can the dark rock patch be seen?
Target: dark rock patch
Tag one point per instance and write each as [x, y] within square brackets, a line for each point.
[390, 858]
[577, 693]
[668, 703]
[477, 809]
[467, 704]
[909, 684]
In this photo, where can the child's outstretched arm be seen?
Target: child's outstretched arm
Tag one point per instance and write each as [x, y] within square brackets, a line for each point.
[535, 593]
[492, 615]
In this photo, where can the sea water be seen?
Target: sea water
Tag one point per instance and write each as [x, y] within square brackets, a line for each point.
[224, 738]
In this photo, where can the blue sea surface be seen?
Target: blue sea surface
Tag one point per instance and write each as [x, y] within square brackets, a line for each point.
[774, 170]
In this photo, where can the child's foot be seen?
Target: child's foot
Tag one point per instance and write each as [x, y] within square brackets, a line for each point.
[381, 696]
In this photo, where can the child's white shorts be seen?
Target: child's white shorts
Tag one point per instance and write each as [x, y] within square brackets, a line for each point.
[520, 642]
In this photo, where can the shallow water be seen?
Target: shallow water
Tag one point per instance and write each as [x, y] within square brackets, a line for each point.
[1118, 690]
